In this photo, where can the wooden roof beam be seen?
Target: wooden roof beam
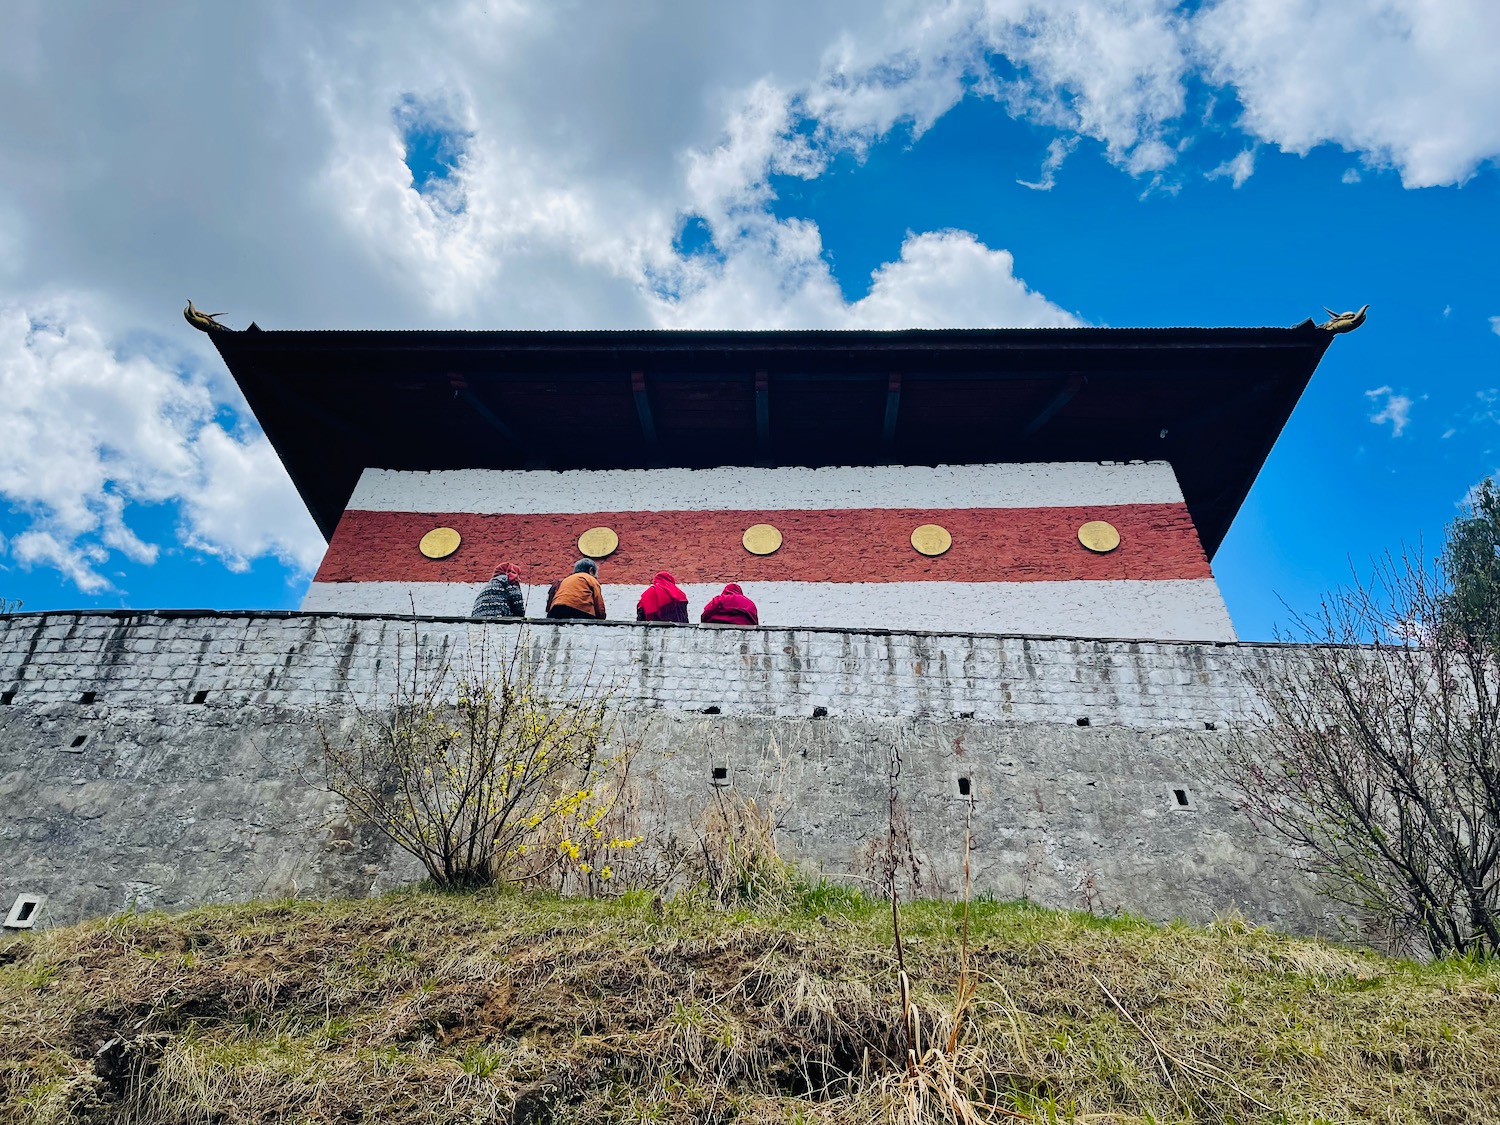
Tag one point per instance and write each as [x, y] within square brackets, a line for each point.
[763, 419]
[643, 412]
[892, 412]
[463, 392]
[1064, 395]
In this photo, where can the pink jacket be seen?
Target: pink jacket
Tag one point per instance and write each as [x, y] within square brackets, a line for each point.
[730, 608]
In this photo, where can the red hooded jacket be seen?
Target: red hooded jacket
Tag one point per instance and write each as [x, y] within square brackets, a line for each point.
[663, 600]
[730, 608]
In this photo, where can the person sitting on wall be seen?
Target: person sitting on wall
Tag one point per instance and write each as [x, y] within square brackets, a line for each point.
[730, 608]
[577, 595]
[663, 600]
[501, 596]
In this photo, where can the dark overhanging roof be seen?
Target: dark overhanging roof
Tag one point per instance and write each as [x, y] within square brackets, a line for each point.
[1209, 400]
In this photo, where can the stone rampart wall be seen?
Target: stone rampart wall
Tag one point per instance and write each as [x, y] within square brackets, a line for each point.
[298, 660]
[170, 759]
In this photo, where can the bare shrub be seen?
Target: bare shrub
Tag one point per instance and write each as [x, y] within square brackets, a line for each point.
[891, 860]
[1379, 756]
[481, 771]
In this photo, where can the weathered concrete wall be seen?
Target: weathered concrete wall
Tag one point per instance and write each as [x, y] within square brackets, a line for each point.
[138, 793]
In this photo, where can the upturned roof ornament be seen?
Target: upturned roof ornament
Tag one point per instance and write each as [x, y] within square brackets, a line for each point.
[202, 321]
[1344, 321]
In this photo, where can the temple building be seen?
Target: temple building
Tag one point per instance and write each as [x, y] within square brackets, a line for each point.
[982, 560]
[1059, 482]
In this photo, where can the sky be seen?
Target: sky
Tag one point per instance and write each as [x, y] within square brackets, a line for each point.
[555, 164]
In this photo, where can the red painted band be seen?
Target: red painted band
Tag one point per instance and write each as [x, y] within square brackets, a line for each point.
[849, 545]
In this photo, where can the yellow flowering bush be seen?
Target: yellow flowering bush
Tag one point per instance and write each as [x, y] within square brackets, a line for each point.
[481, 773]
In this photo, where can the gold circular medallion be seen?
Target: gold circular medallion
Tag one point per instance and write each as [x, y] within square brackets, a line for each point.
[762, 539]
[439, 543]
[598, 543]
[931, 540]
[1099, 537]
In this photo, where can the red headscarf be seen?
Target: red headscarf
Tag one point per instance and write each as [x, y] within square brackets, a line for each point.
[509, 570]
[663, 589]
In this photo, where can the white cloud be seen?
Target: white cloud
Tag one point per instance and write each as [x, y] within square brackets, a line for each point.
[1238, 168]
[563, 225]
[271, 180]
[1396, 409]
[1350, 176]
[951, 277]
[241, 506]
[1057, 151]
[87, 433]
[1488, 410]
[1106, 70]
[1101, 69]
[777, 278]
[1495, 325]
[1407, 83]
[545, 240]
[73, 560]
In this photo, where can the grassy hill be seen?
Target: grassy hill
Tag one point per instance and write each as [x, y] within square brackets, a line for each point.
[512, 1007]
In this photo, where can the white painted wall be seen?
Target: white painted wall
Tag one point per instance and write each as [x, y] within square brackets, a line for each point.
[1162, 609]
[1168, 610]
[525, 492]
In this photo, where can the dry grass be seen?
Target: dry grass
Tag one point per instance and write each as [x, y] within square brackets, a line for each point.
[480, 1007]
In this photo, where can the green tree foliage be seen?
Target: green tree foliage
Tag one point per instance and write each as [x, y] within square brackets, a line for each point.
[1470, 564]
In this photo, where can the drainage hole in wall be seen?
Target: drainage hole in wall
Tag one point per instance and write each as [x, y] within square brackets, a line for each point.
[23, 912]
[710, 711]
[820, 712]
[7, 697]
[1083, 722]
[200, 697]
[721, 774]
[1181, 797]
[1210, 726]
[78, 741]
[88, 697]
[963, 787]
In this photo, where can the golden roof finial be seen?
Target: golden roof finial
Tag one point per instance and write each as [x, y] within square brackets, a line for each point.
[1343, 322]
[202, 321]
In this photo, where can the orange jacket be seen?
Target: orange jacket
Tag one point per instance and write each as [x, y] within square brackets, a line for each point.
[581, 591]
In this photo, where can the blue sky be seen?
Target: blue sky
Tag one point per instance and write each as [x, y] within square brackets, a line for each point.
[979, 162]
[1338, 487]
